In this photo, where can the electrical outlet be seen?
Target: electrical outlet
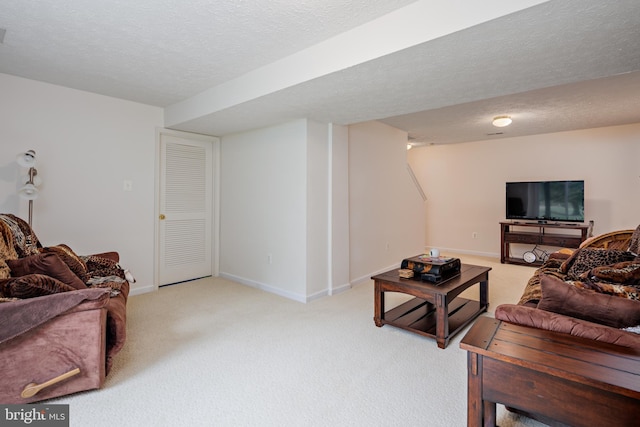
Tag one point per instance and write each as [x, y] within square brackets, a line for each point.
[127, 185]
[387, 246]
[474, 235]
[269, 259]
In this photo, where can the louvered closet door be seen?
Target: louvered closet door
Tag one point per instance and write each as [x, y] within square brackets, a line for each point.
[185, 220]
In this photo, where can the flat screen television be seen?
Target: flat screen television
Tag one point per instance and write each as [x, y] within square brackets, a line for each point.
[543, 201]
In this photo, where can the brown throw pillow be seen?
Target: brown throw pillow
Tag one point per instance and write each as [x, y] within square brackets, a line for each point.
[48, 264]
[587, 258]
[562, 298]
[75, 263]
[33, 285]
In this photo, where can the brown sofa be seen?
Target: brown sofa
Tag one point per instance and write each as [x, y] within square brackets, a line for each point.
[585, 307]
[592, 292]
[62, 316]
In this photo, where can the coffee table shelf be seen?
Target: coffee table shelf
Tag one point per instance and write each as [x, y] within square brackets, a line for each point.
[418, 315]
[436, 311]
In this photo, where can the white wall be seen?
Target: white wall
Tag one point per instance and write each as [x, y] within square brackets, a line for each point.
[387, 213]
[263, 202]
[86, 146]
[339, 209]
[465, 183]
[317, 209]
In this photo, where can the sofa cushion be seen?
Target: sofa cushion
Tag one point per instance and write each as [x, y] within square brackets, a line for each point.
[562, 298]
[75, 263]
[541, 319]
[48, 264]
[585, 259]
[33, 285]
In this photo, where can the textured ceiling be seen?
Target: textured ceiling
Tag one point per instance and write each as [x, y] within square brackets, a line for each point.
[560, 65]
[161, 51]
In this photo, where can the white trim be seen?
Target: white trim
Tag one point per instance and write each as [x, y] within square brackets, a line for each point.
[267, 288]
[342, 288]
[467, 252]
[330, 209]
[368, 276]
[142, 290]
[416, 183]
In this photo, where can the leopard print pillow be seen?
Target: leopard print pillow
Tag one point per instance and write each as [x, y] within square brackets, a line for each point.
[33, 285]
[627, 273]
[588, 258]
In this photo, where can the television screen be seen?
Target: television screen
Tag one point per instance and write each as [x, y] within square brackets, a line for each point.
[546, 201]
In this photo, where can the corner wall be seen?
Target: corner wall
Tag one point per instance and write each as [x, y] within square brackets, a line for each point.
[387, 213]
[86, 146]
[465, 182]
[263, 181]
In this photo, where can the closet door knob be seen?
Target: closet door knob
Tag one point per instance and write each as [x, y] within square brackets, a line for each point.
[162, 216]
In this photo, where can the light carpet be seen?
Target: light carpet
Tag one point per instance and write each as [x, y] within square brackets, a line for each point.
[213, 352]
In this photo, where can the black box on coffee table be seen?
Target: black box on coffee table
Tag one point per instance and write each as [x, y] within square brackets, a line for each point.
[432, 269]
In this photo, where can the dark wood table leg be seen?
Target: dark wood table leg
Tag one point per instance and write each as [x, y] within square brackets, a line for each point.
[484, 293]
[442, 321]
[378, 304]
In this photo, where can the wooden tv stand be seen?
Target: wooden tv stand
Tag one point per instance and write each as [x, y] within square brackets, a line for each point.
[509, 235]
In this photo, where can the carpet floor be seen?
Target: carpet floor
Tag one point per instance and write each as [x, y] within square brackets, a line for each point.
[212, 352]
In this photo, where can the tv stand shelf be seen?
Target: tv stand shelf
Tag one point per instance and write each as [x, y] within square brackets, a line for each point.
[509, 235]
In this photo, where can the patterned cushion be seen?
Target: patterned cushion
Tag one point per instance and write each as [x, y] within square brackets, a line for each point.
[587, 258]
[75, 263]
[615, 289]
[627, 272]
[33, 285]
[48, 264]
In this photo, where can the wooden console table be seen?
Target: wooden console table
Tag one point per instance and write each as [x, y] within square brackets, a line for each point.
[509, 235]
[555, 378]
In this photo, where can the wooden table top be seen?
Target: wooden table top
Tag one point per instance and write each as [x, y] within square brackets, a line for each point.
[468, 272]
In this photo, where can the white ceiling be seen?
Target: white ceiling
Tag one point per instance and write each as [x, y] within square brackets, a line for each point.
[558, 65]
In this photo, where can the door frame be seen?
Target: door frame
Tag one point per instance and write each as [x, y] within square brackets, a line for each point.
[215, 188]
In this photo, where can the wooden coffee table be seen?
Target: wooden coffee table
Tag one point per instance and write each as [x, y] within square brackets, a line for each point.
[436, 311]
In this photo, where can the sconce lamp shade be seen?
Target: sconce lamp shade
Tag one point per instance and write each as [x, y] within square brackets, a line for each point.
[28, 191]
[27, 160]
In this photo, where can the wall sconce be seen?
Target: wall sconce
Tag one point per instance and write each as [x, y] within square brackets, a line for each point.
[29, 190]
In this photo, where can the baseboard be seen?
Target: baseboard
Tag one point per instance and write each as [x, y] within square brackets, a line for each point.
[139, 290]
[342, 288]
[265, 287]
[289, 295]
[366, 277]
[466, 252]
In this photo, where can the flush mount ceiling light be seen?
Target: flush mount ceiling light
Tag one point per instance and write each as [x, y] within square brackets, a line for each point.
[501, 121]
